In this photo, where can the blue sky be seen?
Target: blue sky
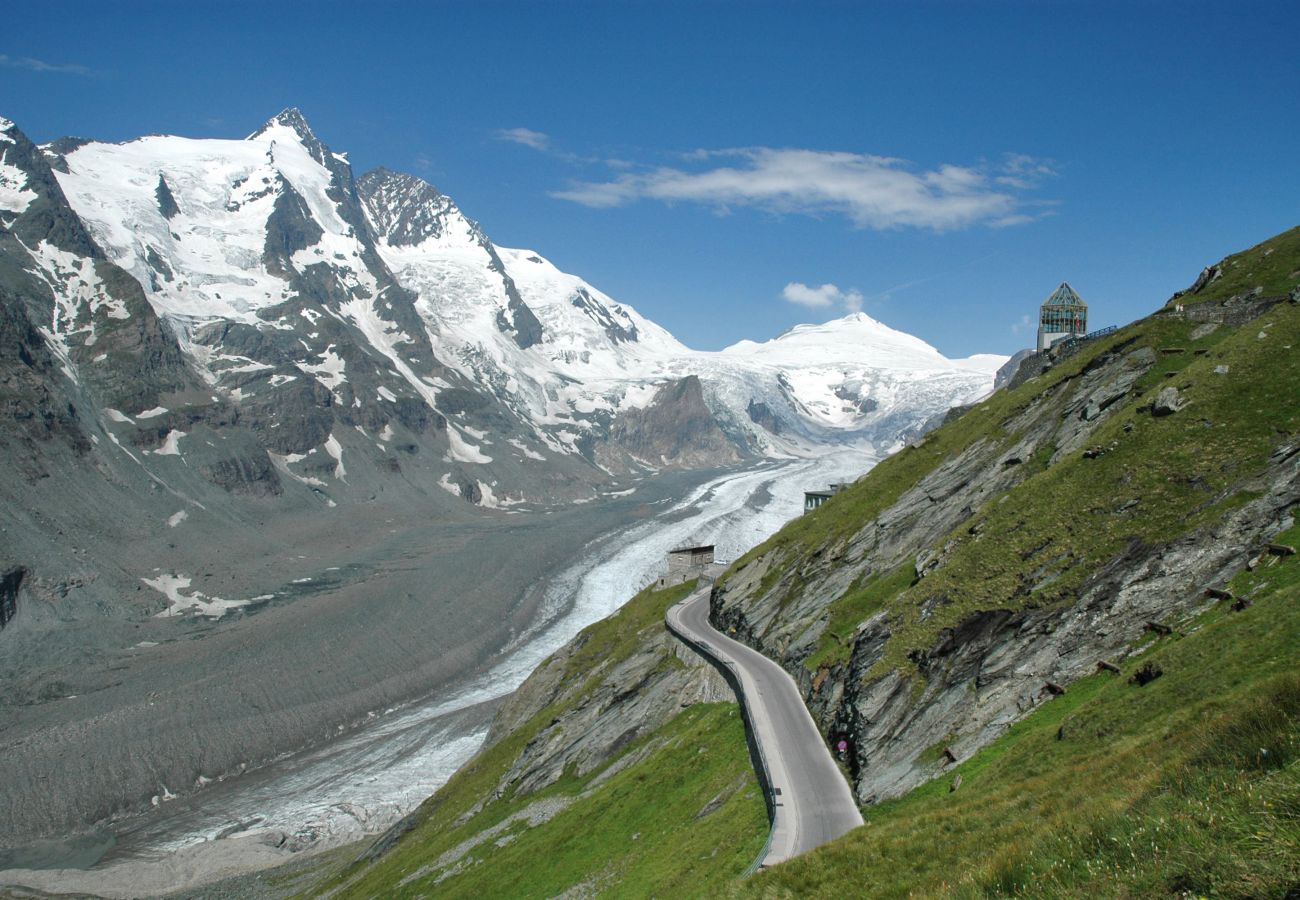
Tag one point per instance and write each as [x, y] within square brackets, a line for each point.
[731, 169]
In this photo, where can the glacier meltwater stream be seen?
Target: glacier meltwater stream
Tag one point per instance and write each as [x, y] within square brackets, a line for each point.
[369, 777]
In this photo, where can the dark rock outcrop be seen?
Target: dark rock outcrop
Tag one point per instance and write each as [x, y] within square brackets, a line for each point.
[761, 414]
[166, 200]
[10, 582]
[676, 428]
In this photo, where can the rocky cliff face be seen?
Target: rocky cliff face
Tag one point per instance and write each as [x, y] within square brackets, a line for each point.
[602, 709]
[676, 428]
[976, 575]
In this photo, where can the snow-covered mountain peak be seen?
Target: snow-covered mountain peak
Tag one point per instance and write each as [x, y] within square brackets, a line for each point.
[291, 125]
[291, 286]
[291, 118]
[15, 196]
[855, 338]
[215, 229]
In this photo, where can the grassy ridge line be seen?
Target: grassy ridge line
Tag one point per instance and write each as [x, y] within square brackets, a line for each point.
[1270, 266]
[1186, 787]
[686, 812]
[1066, 517]
[1273, 264]
[1179, 472]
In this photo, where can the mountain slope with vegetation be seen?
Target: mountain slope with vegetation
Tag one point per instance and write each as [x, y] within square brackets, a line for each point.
[966, 579]
[1058, 634]
[1177, 776]
[621, 763]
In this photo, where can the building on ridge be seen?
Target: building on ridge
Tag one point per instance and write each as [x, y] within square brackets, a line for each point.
[1064, 314]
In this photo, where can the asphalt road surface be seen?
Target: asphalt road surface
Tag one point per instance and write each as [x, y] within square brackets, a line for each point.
[813, 802]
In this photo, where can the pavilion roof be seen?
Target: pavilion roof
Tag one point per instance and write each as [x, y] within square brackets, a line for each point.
[1065, 296]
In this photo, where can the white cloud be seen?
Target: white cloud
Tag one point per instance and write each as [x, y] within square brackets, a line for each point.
[822, 297]
[526, 136]
[871, 191]
[1024, 172]
[37, 65]
[1025, 324]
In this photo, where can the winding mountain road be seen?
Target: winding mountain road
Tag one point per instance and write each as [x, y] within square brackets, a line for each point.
[812, 802]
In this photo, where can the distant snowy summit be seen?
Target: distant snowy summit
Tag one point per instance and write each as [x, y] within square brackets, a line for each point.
[858, 339]
[325, 332]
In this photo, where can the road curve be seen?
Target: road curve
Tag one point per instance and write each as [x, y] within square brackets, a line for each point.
[812, 803]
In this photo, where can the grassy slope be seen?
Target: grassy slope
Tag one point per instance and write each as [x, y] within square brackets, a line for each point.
[1183, 471]
[1271, 266]
[639, 831]
[1111, 790]
[1189, 786]
[1180, 469]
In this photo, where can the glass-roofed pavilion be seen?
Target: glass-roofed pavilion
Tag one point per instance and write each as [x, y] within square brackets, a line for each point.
[1064, 314]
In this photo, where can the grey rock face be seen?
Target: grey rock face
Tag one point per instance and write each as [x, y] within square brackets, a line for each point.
[1008, 370]
[406, 210]
[619, 332]
[10, 582]
[676, 428]
[1167, 402]
[289, 229]
[761, 414]
[32, 411]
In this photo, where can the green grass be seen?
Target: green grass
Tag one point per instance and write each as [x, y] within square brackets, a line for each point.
[610, 641]
[646, 831]
[1111, 790]
[1270, 265]
[638, 831]
[856, 606]
[1183, 470]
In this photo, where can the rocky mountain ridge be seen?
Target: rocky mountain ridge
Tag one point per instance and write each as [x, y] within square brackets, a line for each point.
[379, 287]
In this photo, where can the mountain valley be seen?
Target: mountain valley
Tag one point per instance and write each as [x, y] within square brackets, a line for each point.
[289, 448]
